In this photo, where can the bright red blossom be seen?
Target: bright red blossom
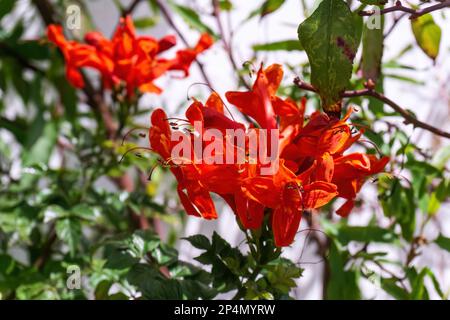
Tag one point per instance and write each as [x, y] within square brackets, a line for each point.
[127, 58]
[313, 168]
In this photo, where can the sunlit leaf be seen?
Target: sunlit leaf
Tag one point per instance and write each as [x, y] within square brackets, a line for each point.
[427, 34]
[330, 37]
[285, 45]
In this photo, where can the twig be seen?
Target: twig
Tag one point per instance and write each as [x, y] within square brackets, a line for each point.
[394, 23]
[414, 13]
[165, 12]
[226, 43]
[46, 249]
[409, 118]
[5, 49]
[46, 11]
[130, 8]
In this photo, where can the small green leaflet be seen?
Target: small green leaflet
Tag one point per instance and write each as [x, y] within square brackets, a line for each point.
[285, 45]
[427, 34]
[192, 18]
[443, 242]
[268, 7]
[372, 51]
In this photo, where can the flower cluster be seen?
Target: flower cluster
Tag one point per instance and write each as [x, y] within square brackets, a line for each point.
[312, 171]
[125, 59]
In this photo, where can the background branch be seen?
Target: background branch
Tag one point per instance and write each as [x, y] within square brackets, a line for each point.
[414, 13]
[167, 15]
[409, 118]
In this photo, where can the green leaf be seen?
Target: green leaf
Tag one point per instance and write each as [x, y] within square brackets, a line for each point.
[54, 212]
[391, 287]
[268, 7]
[192, 18]
[443, 242]
[285, 45]
[6, 6]
[374, 2]
[41, 151]
[144, 23]
[441, 157]
[330, 37]
[343, 284]
[427, 34]
[120, 259]
[225, 5]
[153, 285]
[69, 231]
[365, 234]
[281, 274]
[372, 53]
[199, 241]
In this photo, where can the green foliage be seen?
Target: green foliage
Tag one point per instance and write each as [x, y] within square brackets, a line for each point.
[330, 37]
[268, 7]
[372, 51]
[286, 45]
[192, 18]
[427, 34]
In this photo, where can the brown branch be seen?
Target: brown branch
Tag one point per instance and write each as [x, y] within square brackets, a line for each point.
[46, 11]
[409, 118]
[46, 249]
[414, 13]
[130, 8]
[6, 50]
[167, 15]
[226, 43]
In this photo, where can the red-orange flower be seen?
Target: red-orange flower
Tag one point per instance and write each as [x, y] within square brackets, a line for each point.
[313, 167]
[193, 194]
[127, 59]
[288, 196]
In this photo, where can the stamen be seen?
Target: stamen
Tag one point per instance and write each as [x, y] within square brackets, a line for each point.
[143, 135]
[373, 145]
[134, 149]
[205, 84]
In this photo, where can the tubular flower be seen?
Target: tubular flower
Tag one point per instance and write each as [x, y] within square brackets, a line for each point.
[193, 195]
[127, 59]
[313, 168]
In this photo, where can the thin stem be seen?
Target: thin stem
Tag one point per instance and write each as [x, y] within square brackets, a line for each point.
[414, 13]
[130, 8]
[227, 43]
[167, 15]
[409, 118]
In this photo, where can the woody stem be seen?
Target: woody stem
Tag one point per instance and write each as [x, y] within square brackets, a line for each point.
[409, 118]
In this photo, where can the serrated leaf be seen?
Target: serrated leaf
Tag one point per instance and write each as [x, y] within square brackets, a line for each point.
[120, 259]
[199, 241]
[285, 45]
[427, 34]
[69, 231]
[330, 37]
